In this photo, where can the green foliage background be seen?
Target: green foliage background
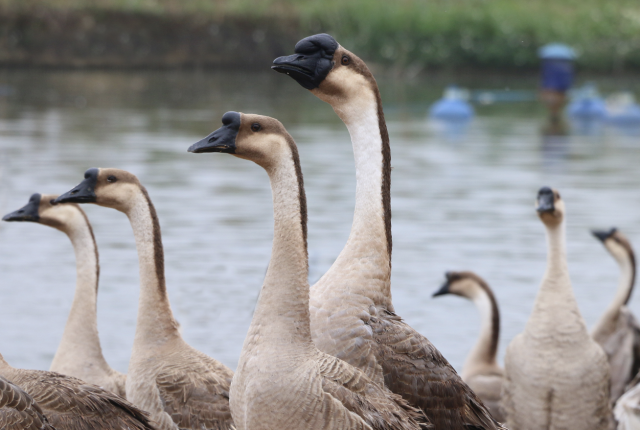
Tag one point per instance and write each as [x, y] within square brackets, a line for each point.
[425, 33]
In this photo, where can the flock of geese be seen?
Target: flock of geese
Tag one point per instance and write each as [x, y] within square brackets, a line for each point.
[335, 356]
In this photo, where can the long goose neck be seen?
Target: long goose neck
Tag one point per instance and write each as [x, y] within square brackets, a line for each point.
[625, 286]
[282, 311]
[555, 308]
[155, 319]
[369, 245]
[627, 280]
[80, 340]
[556, 277]
[485, 350]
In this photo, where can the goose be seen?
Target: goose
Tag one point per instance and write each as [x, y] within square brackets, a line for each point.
[79, 353]
[481, 370]
[283, 381]
[18, 410]
[556, 375]
[72, 404]
[352, 314]
[180, 387]
[617, 331]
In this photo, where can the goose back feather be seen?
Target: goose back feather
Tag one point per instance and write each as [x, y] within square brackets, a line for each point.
[18, 410]
[72, 404]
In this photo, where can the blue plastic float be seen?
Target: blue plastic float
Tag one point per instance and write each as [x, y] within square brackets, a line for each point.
[452, 106]
[622, 109]
[587, 104]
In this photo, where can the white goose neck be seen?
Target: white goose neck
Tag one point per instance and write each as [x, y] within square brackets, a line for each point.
[484, 352]
[282, 311]
[155, 320]
[369, 245]
[80, 341]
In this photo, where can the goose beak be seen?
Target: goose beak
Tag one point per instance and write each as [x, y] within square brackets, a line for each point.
[444, 289]
[84, 192]
[603, 235]
[312, 61]
[545, 200]
[223, 139]
[29, 212]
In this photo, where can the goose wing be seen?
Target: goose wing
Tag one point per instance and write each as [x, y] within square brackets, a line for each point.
[620, 340]
[70, 403]
[377, 406]
[195, 391]
[18, 410]
[416, 370]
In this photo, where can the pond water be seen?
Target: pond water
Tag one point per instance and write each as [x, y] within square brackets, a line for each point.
[459, 203]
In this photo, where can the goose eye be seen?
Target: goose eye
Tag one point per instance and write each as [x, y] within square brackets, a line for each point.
[255, 127]
[345, 60]
[111, 178]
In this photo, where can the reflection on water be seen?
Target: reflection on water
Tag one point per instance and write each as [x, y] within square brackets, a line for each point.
[468, 205]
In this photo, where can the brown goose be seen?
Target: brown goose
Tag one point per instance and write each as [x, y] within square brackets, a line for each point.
[71, 404]
[79, 353]
[481, 370]
[618, 331]
[556, 375]
[283, 381]
[352, 314]
[178, 385]
[18, 410]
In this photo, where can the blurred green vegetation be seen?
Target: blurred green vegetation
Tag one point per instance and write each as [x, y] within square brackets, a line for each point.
[425, 33]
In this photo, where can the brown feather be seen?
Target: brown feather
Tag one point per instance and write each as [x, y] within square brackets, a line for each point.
[18, 410]
[195, 391]
[377, 406]
[416, 370]
[69, 403]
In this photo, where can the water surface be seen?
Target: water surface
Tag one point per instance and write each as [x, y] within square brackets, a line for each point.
[458, 204]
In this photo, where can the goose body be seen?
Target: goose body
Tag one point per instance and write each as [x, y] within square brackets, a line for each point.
[481, 370]
[72, 404]
[180, 387]
[79, 353]
[352, 314]
[283, 381]
[18, 410]
[627, 408]
[556, 375]
[618, 331]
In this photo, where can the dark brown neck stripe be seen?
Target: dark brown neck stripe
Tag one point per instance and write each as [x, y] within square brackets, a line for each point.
[495, 319]
[158, 252]
[301, 193]
[386, 170]
[632, 259]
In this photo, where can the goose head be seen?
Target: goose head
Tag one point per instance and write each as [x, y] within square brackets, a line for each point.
[550, 207]
[258, 138]
[463, 284]
[328, 70]
[616, 243]
[40, 209]
[114, 188]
